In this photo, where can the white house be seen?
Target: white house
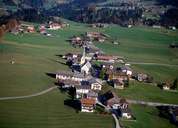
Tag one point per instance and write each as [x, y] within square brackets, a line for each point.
[126, 70]
[54, 26]
[166, 87]
[82, 90]
[126, 113]
[96, 86]
[92, 95]
[68, 76]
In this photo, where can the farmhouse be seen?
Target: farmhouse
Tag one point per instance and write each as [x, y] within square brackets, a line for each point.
[27, 28]
[119, 76]
[99, 25]
[166, 87]
[96, 36]
[126, 113]
[105, 58]
[125, 69]
[92, 95]
[118, 84]
[76, 40]
[42, 29]
[87, 105]
[30, 29]
[95, 84]
[70, 56]
[142, 77]
[69, 83]
[92, 50]
[107, 66]
[82, 90]
[54, 26]
[69, 76]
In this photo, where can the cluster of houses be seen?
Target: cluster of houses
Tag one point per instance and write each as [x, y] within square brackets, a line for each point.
[118, 105]
[99, 25]
[30, 28]
[87, 38]
[91, 70]
[87, 86]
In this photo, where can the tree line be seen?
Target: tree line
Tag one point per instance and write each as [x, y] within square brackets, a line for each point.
[11, 24]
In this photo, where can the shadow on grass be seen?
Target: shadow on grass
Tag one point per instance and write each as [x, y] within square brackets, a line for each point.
[60, 55]
[75, 104]
[53, 75]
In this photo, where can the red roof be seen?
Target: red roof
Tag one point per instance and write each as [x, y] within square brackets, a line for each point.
[105, 57]
[87, 101]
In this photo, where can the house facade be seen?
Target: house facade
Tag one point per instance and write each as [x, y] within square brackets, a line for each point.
[82, 91]
[68, 76]
[87, 105]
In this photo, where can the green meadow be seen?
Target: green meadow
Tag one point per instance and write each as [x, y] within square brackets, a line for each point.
[35, 55]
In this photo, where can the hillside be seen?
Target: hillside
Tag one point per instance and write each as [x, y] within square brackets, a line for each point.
[122, 12]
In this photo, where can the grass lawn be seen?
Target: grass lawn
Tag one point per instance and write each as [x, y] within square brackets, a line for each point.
[147, 92]
[142, 44]
[159, 73]
[146, 117]
[48, 111]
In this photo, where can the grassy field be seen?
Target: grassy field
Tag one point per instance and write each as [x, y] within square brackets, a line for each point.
[146, 117]
[35, 55]
[148, 92]
[159, 73]
[142, 44]
[48, 111]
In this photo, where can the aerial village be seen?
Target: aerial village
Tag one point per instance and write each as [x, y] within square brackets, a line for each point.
[92, 69]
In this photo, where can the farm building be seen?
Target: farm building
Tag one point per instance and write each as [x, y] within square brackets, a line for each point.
[27, 28]
[68, 83]
[118, 84]
[87, 105]
[82, 90]
[69, 76]
[125, 70]
[92, 95]
[54, 26]
[142, 77]
[96, 36]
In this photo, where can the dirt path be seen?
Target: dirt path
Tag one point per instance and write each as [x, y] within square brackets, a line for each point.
[153, 104]
[29, 96]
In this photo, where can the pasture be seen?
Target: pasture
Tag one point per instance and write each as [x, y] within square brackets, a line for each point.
[35, 55]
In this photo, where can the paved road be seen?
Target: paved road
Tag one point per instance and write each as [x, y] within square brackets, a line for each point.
[150, 103]
[55, 87]
[108, 109]
[29, 96]
[158, 64]
[116, 121]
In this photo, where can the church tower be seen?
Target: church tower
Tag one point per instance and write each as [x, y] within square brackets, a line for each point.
[83, 58]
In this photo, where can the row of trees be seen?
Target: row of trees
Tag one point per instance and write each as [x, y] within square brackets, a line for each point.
[11, 24]
[107, 15]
